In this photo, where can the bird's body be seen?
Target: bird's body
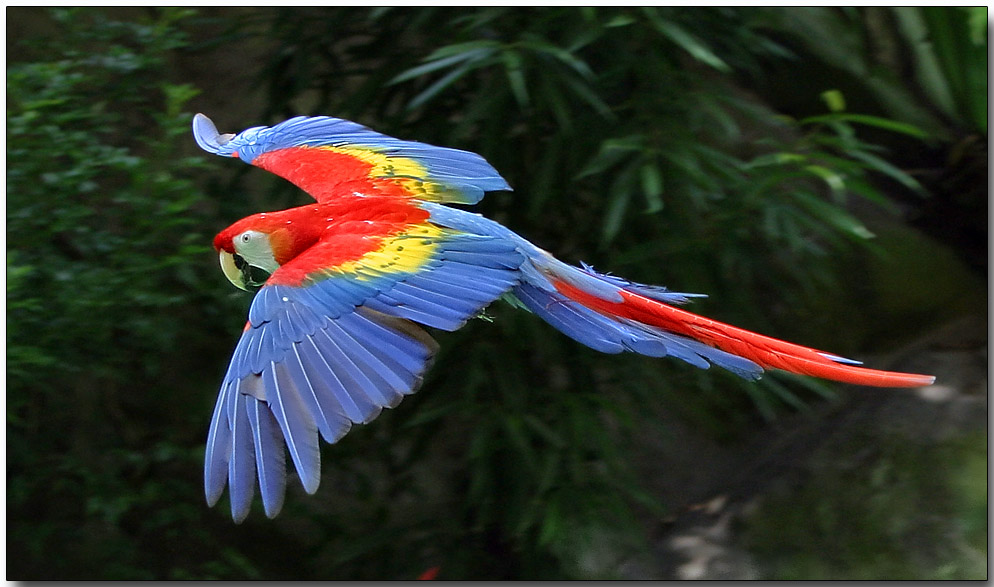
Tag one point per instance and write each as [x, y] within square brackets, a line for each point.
[335, 333]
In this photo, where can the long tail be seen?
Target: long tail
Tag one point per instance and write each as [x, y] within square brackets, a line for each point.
[614, 315]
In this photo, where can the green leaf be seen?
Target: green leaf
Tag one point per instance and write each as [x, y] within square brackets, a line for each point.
[441, 63]
[516, 76]
[552, 523]
[611, 152]
[686, 41]
[652, 187]
[554, 99]
[835, 181]
[439, 86]
[621, 195]
[833, 215]
[876, 121]
[620, 20]
[470, 47]
[634, 142]
[834, 99]
[562, 55]
[762, 402]
[776, 159]
[544, 431]
[590, 96]
[786, 395]
[883, 166]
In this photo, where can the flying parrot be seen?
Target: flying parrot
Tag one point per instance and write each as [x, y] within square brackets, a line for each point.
[345, 286]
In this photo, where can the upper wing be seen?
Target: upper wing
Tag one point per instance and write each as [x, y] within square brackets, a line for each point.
[329, 346]
[328, 157]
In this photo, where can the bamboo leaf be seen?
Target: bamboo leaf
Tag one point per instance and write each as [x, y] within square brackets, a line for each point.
[612, 151]
[876, 121]
[588, 95]
[516, 76]
[652, 187]
[833, 215]
[552, 523]
[620, 20]
[461, 48]
[439, 86]
[879, 164]
[786, 395]
[562, 55]
[436, 64]
[544, 431]
[620, 197]
[835, 181]
[686, 41]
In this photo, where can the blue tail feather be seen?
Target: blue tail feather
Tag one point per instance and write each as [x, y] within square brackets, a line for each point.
[612, 334]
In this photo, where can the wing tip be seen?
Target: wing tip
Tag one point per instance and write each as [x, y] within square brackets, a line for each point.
[213, 497]
[311, 480]
[207, 137]
[239, 516]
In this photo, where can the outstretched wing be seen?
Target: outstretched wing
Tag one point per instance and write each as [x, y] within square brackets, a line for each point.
[329, 345]
[330, 157]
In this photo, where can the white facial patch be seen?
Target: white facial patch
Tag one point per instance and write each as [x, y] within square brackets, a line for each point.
[254, 247]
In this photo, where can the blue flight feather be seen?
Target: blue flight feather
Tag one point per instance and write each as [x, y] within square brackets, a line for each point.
[241, 465]
[331, 422]
[270, 456]
[218, 448]
[349, 359]
[330, 385]
[298, 427]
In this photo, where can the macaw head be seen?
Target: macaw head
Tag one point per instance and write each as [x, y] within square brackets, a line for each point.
[246, 256]
[253, 248]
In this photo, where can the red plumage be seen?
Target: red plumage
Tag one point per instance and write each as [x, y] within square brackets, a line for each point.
[347, 227]
[765, 351]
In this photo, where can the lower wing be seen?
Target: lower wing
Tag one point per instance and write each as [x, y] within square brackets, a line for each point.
[336, 346]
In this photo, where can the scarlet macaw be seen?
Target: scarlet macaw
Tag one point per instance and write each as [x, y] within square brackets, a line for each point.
[332, 335]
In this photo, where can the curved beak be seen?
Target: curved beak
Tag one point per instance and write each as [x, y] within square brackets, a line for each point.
[231, 270]
[241, 273]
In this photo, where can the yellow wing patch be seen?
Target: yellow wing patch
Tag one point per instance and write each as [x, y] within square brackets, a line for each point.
[408, 173]
[404, 253]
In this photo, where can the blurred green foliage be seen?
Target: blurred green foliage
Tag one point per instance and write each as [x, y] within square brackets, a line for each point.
[861, 517]
[942, 51]
[105, 278]
[632, 144]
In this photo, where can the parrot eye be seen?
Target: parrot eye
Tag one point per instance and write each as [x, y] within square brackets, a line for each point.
[246, 237]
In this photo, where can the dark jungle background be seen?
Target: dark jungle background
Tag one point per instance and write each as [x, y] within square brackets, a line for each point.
[821, 173]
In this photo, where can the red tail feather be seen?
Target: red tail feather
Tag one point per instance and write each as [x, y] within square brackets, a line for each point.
[763, 350]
